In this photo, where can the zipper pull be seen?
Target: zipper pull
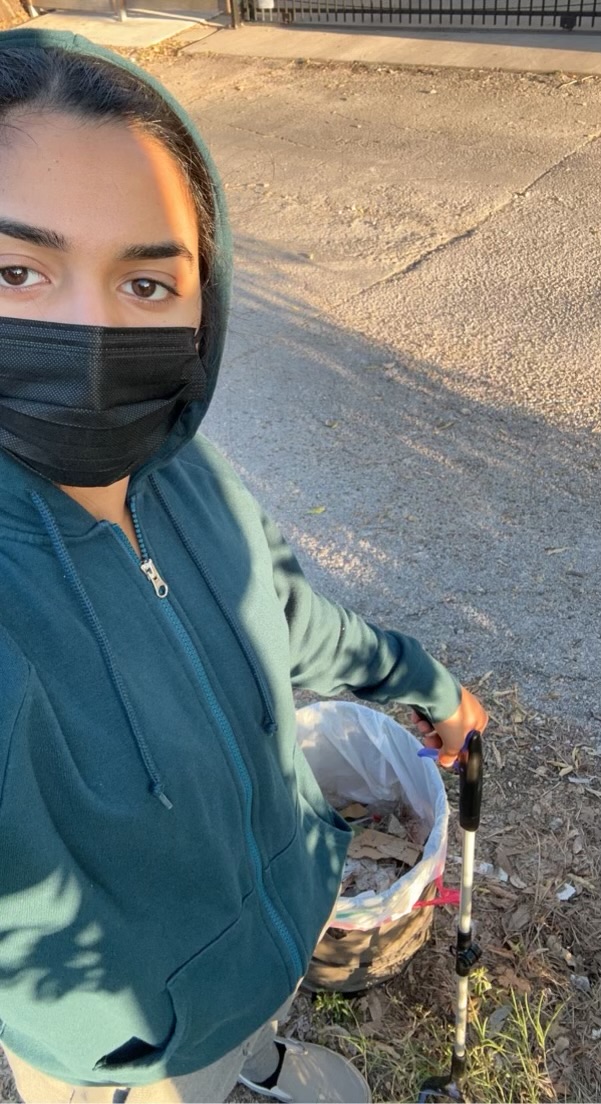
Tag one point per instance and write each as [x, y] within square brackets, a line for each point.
[150, 571]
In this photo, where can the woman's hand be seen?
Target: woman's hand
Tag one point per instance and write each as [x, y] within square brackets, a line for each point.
[450, 735]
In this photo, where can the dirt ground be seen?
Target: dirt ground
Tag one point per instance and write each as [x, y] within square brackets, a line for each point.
[541, 826]
[12, 13]
[535, 1004]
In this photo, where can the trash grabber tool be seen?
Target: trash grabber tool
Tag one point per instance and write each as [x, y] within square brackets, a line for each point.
[469, 767]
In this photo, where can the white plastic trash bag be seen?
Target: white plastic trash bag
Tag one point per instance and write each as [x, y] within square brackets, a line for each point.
[360, 754]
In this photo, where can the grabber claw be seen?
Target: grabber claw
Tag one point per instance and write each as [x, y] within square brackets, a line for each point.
[439, 1089]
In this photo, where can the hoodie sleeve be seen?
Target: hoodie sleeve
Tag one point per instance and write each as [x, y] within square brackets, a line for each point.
[333, 649]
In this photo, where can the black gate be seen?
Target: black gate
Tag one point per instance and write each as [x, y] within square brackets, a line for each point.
[567, 15]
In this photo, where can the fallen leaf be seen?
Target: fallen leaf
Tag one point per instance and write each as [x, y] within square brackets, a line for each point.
[369, 1029]
[508, 979]
[496, 753]
[497, 1019]
[519, 919]
[500, 951]
[503, 861]
[378, 845]
[389, 1049]
[316, 510]
[556, 947]
[374, 1004]
[517, 881]
[585, 882]
[504, 895]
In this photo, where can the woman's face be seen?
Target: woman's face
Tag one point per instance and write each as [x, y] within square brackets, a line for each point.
[97, 226]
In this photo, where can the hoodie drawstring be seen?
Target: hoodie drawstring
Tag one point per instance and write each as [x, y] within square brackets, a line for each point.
[269, 721]
[58, 544]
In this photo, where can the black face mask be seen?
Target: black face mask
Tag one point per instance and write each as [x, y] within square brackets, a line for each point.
[85, 405]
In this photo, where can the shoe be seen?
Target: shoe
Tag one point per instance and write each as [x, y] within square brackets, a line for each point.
[311, 1074]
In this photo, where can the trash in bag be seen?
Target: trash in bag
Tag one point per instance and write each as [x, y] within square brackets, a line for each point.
[360, 755]
[388, 840]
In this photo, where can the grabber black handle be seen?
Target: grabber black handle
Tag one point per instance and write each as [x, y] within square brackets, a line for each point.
[469, 765]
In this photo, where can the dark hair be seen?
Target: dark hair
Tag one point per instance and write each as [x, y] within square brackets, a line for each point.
[92, 88]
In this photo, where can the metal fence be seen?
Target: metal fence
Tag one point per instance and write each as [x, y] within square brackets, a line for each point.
[567, 15]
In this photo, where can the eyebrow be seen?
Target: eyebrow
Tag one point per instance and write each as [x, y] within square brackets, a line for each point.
[34, 234]
[50, 239]
[155, 251]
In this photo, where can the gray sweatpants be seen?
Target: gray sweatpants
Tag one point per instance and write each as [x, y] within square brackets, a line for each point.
[257, 1057]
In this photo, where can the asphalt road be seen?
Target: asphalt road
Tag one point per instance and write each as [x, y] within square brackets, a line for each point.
[415, 346]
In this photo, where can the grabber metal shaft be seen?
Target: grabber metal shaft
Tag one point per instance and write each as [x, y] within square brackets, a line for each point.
[467, 952]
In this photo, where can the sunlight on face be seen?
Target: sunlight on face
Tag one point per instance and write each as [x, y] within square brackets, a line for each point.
[100, 189]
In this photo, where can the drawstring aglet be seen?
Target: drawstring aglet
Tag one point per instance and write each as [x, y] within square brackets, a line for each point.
[157, 791]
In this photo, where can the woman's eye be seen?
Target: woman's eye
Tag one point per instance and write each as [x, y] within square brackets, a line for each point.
[144, 288]
[17, 276]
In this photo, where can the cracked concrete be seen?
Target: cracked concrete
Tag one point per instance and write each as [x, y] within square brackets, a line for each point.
[471, 230]
[415, 346]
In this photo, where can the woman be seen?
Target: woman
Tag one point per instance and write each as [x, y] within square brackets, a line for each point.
[167, 860]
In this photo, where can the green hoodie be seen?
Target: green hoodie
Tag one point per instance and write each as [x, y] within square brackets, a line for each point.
[167, 860]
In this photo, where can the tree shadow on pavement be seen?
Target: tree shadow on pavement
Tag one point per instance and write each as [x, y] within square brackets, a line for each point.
[469, 524]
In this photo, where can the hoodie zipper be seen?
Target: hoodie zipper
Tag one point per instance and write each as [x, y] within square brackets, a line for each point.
[269, 721]
[161, 589]
[147, 566]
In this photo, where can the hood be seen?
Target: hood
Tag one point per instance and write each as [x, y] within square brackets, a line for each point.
[17, 477]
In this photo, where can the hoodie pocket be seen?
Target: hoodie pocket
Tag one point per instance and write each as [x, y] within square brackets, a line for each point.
[138, 1062]
[304, 880]
[228, 990]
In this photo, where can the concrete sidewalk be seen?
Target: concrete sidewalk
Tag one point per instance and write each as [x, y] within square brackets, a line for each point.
[141, 28]
[515, 51]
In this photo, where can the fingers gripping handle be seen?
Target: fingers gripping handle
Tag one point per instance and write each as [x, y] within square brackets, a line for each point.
[470, 764]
